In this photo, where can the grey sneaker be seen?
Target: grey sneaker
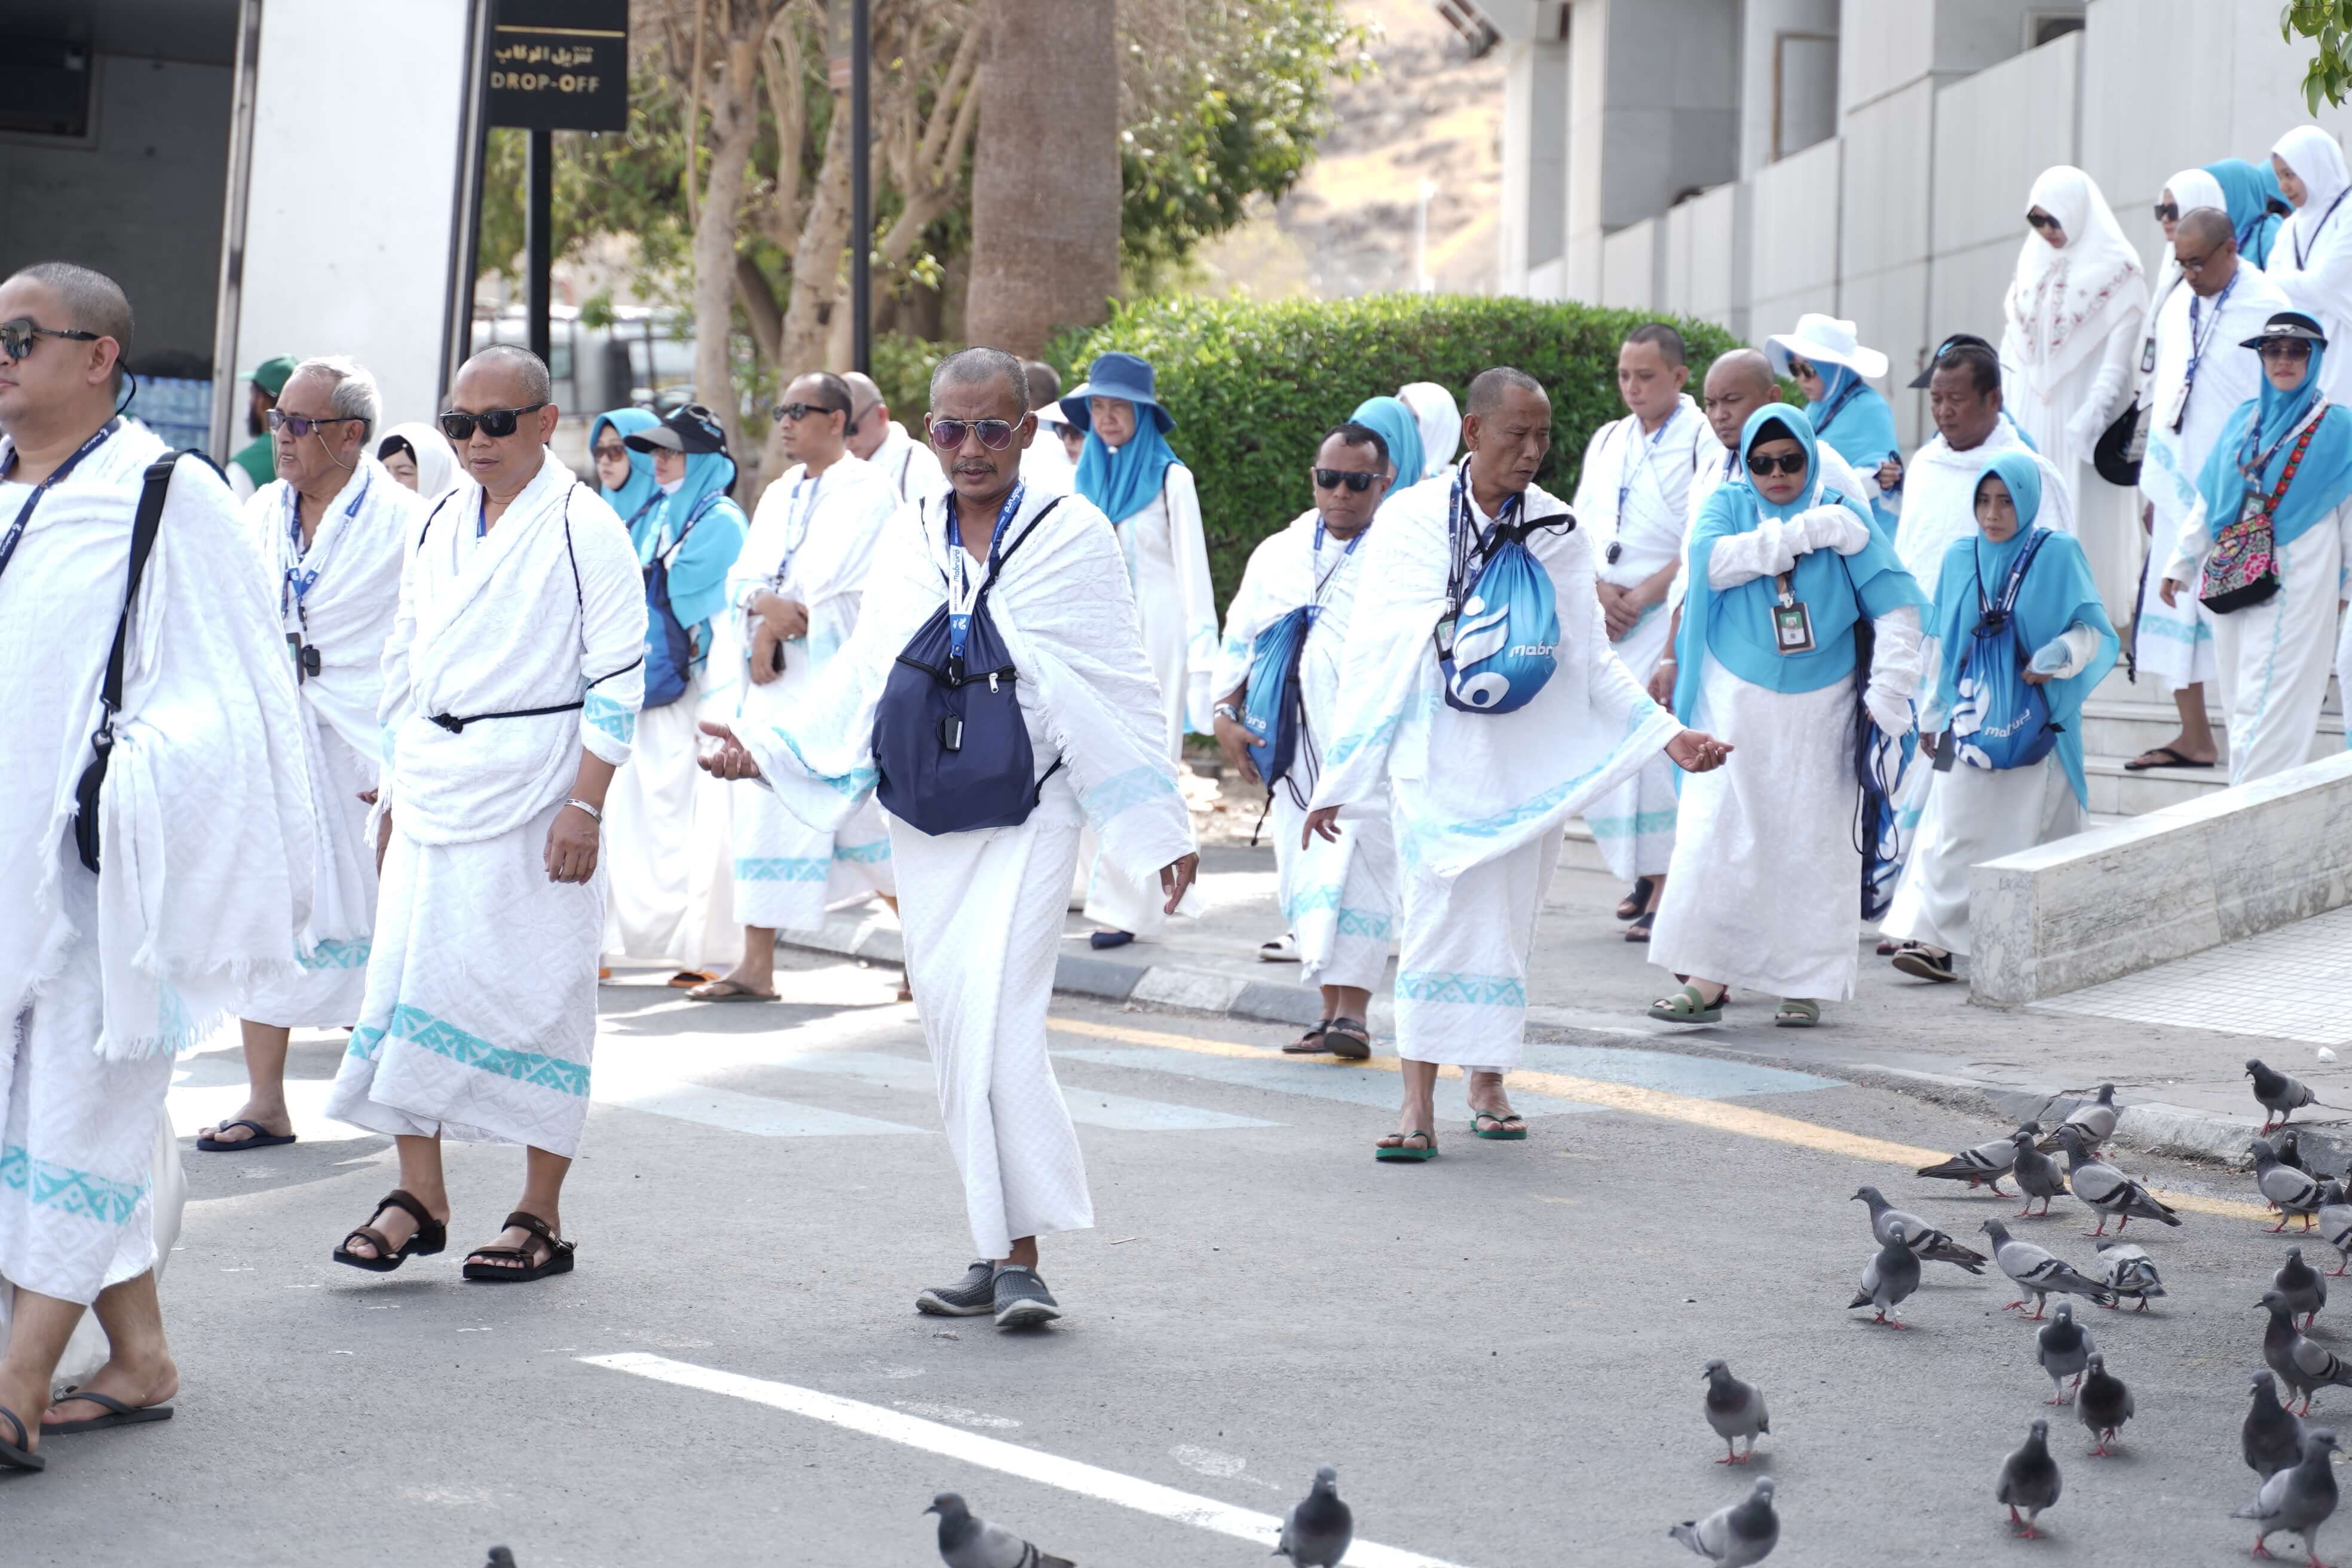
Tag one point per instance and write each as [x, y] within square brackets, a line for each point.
[969, 1297]
[1021, 1299]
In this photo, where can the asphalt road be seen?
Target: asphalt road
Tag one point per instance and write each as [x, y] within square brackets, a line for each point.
[1500, 1350]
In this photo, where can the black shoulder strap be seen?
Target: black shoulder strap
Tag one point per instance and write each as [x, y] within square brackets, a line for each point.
[1043, 513]
[577, 596]
[429, 516]
[155, 490]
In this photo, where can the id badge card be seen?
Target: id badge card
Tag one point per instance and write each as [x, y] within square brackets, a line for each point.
[1792, 624]
[1444, 633]
[2179, 411]
[294, 651]
[2254, 506]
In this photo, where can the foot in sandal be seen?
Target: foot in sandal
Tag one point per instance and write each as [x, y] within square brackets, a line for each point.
[402, 1228]
[530, 1247]
[130, 1390]
[727, 988]
[1491, 1115]
[1699, 1001]
[255, 1118]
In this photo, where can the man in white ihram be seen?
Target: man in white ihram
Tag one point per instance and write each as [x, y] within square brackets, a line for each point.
[872, 436]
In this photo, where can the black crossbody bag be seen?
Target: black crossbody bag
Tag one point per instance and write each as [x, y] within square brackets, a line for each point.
[155, 489]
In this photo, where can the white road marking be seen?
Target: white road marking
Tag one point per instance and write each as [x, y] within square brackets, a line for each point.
[636, 1090]
[991, 1453]
[1088, 1107]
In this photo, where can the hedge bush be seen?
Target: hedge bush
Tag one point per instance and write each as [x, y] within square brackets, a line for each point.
[1255, 384]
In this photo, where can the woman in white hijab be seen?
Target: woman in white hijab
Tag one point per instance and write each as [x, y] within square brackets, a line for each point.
[2070, 355]
[419, 457]
[2311, 259]
[1434, 410]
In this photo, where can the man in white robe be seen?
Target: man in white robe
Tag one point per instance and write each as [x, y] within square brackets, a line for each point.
[872, 436]
[511, 690]
[797, 585]
[330, 530]
[1047, 464]
[1338, 896]
[982, 906]
[105, 975]
[1632, 498]
[1478, 797]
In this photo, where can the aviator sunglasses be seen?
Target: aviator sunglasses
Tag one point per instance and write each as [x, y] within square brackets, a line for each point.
[995, 435]
[1332, 478]
[17, 337]
[498, 424]
[1789, 463]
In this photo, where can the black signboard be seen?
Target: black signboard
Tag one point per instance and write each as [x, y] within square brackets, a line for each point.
[559, 65]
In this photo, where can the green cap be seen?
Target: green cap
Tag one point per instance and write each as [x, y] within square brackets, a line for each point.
[272, 375]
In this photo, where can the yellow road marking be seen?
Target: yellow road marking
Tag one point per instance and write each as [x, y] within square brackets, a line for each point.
[1716, 1115]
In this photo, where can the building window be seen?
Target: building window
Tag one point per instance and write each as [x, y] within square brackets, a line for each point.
[2041, 27]
[1804, 90]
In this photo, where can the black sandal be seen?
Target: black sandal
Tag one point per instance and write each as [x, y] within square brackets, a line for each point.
[431, 1237]
[1638, 928]
[1349, 1038]
[1309, 1044]
[14, 1454]
[117, 1414]
[557, 1261]
[1634, 902]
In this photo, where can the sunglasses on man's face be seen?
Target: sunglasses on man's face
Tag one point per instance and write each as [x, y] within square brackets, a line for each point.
[1789, 463]
[995, 435]
[17, 337]
[1355, 480]
[301, 425]
[796, 412]
[498, 424]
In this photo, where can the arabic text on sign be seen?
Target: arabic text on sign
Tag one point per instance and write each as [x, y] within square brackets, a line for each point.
[562, 56]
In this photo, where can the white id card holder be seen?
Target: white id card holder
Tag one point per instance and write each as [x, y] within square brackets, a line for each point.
[1792, 622]
[2179, 410]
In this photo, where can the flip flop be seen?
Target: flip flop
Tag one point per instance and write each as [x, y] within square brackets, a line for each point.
[2165, 758]
[1503, 1132]
[1350, 1040]
[262, 1138]
[1397, 1154]
[729, 991]
[116, 1414]
[1310, 1044]
[13, 1453]
[687, 979]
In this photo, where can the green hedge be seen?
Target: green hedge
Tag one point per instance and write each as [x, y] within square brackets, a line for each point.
[1253, 385]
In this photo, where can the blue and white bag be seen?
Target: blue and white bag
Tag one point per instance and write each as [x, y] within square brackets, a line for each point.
[1274, 710]
[1500, 644]
[2000, 719]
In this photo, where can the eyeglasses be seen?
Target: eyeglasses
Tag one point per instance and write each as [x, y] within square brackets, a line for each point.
[301, 425]
[1358, 481]
[2193, 263]
[17, 337]
[948, 435]
[2042, 220]
[2165, 212]
[796, 412]
[498, 424]
[2286, 348]
[1789, 463]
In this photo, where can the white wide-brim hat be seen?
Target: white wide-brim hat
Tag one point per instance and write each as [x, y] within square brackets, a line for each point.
[1052, 412]
[1823, 340]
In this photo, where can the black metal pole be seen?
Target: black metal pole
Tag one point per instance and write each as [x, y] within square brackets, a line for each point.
[861, 187]
[541, 239]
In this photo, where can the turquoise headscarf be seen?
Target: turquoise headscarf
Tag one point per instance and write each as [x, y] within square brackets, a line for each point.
[632, 499]
[2322, 482]
[1856, 422]
[1736, 624]
[699, 566]
[1126, 481]
[2057, 592]
[1400, 428]
[2249, 188]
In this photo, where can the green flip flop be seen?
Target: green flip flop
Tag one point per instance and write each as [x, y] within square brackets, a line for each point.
[1796, 1012]
[1687, 1007]
[1398, 1153]
[1503, 1132]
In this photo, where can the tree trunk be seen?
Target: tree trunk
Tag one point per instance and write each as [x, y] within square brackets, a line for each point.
[1046, 176]
[734, 123]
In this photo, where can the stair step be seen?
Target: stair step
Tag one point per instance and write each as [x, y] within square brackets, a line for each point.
[2116, 791]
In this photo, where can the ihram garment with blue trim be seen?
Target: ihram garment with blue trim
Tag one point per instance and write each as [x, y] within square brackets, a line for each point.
[983, 910]
[480, 1018]
[1479, 798]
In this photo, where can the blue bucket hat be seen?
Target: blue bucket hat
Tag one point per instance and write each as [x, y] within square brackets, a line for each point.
[1120, 375]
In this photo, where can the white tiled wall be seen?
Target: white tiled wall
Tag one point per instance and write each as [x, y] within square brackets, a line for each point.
[1629, 267]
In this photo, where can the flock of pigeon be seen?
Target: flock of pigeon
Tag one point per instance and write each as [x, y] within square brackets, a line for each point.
[1315, 1534]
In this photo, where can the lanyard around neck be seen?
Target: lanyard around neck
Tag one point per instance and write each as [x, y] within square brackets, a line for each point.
[1467, 542]
[962, 592]
[796, 523]
[300, 578]
[1322, 581]
[2302, 250]
[2197, 340]
[57, 475]
[1648, 450]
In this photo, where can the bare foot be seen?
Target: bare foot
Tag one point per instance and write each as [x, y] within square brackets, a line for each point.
[138, 1383]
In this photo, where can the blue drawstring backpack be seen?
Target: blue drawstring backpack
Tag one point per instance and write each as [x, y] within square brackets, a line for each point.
[2000, 719]
[1273, 709]
[949, 742]
[669, 651]
[1507, 638]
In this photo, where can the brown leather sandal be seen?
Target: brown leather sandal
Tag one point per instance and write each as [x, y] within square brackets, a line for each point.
[557, 1261]
[431, 1237]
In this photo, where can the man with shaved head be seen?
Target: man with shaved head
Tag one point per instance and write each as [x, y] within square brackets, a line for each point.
[872, 436]
[511, 682]
[135, 897]
[1487, 716]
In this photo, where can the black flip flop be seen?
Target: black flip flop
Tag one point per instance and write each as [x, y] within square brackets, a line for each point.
[263, 1138]
[15, 1455]
[116, 1414]
[2176, 761]
[1638, 898]
[1349, 1039]
[1310, 1044]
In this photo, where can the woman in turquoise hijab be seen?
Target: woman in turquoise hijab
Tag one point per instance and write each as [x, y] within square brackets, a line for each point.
[2250, 189]
[693, 529]
[625, 477]
[1764, 891]
[1400, 428]
[1976, 814]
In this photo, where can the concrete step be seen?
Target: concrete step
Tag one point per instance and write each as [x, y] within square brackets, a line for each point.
[2115, 792]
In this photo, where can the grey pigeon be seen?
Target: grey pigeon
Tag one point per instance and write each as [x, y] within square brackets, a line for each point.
[2291, 1191]
[2037, 1176]
[2299, 1497]
[1317, 1530]
[2289, 1145]
[1889, 1223]
[2095, 1120]
[1736, 1410]
[967, 1541]
[2304, 1287]
[2280, 1095]
[1736, 1536]
[2104, 1404]
[2335, 1224]
[1982, 1166]
[2129, 1271]
[2272, 1436]
[2301, 1364]
[2028, 1478]
[2063, 1348]
[1887, 1280]
[500, 1557]
[2039, 1273]
[2106, 1189]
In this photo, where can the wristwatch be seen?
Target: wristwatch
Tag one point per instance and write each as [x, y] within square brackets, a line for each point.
[1227, 711]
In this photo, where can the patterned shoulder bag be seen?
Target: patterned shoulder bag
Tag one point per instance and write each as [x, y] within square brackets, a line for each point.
[2243, 570]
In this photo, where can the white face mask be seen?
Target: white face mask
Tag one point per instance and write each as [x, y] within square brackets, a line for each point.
[675, 485]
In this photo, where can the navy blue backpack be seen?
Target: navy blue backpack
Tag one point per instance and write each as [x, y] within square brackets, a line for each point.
[949, 742]
[669, 650]
[1998, 719]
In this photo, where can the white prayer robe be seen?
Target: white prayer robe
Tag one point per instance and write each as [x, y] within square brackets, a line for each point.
[2105, 516]
[2175, 643]
[1168, 566]
[480, 1020]
[2311, 258]
[1046, 464]
[910, 467]
[983, 910]
[812, 542]
[345, 613]
[668, 837]
[1939, 508]
[1479, 799]
[105, 977]
[1836, 472]
[1338, 898]
[1634, 825]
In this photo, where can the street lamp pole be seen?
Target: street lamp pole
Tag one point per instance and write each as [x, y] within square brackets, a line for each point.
[861, 185]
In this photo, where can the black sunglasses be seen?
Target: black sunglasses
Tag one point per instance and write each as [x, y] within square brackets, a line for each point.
[301, 425]
[17, 337]
[498, 424]
[800, 411]
[948, 435]
[2167, 212]
[2042, 220]
[1358, 481]
[1789, 463]
[2286, 348]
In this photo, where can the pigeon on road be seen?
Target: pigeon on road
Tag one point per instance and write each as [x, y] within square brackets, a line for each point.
[2299, 1497]
[2037, 1176]
[2304, 1287]
[1890, 1223]
[1317, 1530]
[968, 1541]
[2063, 1348]
[1736, 1536]
[2095, 1120]
[1887, 1280]
[2281, 1096]
[2292, 1191]
[1736, 1410]
[2028, 1478]
[2104, 1404]
[2301, 1364]
[1982, 1166]
[2039, 1273]
[2335, 1224]
[2271, 1437]
[2289, 1145]
[2106, 1189]
[2129, 1271]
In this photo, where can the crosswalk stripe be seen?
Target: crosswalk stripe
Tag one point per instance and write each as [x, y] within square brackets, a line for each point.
[1315, 1079]
[1089, 1107]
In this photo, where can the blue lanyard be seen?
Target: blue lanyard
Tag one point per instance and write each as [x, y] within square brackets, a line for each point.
[299, 581]
[797, 514]
[1625, 485]
[2197, 340]
[1322, 582]
[1463, 550]
[963, 592]
[25, 518]
[1837, 405]
[2301, 252]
